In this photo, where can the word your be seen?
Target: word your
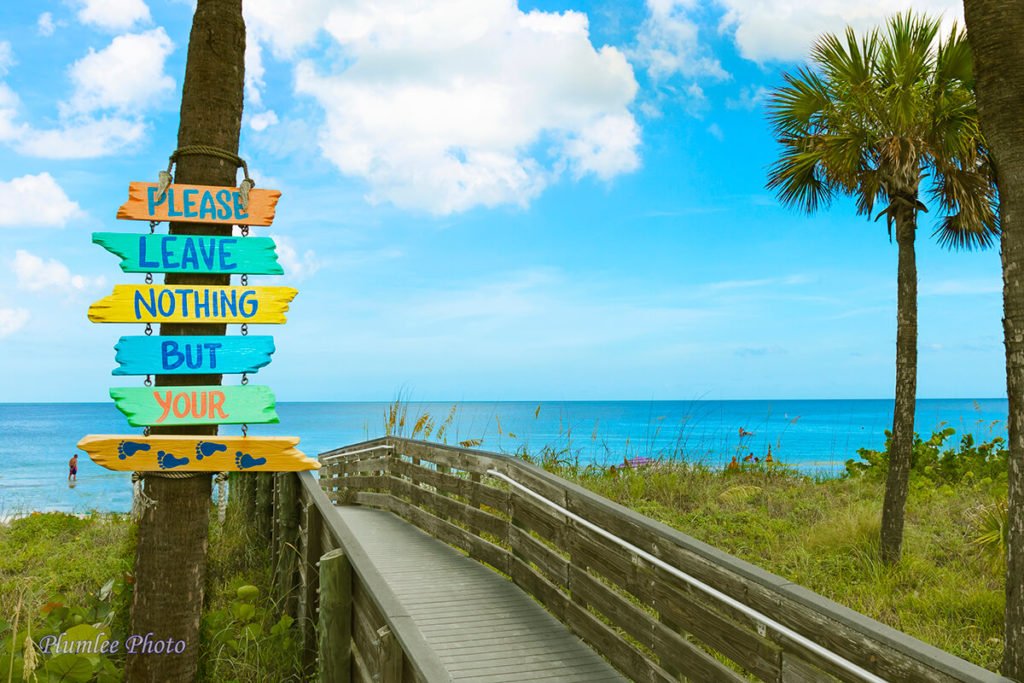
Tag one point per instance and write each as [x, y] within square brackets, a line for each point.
[102, 645]
[228, 204]
[171, 358]
[184, 403]
[221, 304]
[214, 252]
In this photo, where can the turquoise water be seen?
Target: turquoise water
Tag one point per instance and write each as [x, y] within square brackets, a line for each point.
[36, 440]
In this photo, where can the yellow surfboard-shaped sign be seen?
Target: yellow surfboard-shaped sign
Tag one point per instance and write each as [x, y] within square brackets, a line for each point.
[192, 304]
[161, 453]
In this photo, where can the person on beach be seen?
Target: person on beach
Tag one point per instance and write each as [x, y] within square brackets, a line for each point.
[73, 468]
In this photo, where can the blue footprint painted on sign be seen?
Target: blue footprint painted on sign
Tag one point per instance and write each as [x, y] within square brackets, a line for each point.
[245, 461]
[127, 449]
[204, 449]
[167, 461]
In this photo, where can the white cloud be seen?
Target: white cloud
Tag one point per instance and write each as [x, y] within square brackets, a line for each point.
[115, 15]
[785, 30]
[45, 25]
[35, 274]
[254, 72]
[750, 98]
[286, 25]
[668, 43]
[296, 267]
[605, 147]
[83, 139]
[6, 57]
[35, 200]
[126, 76]
[104, 115]
[448, 105]
[716, 131]
[262, 120]
[958, 287]
[12, 320]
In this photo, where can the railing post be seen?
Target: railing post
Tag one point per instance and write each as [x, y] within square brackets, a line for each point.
[264, 505]
[335, 621]
[312, 549]
[288, 542]
[389, 656]
[275, 517]
[248, 486]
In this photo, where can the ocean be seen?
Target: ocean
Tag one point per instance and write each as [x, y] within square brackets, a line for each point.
[37, 439]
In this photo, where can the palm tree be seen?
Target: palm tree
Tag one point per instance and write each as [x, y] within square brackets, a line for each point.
[871, 119]
[995, 27]
[170, 556]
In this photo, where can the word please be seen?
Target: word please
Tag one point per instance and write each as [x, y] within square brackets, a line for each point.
[221, 304]
[206, 404]
[190, 205]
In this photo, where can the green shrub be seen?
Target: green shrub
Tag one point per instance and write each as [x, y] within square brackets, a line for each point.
[966, 462]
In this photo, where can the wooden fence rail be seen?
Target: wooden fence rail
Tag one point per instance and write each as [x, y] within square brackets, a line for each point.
[612, 576]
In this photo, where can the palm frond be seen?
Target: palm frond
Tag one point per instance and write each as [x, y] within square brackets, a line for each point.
[799, 181]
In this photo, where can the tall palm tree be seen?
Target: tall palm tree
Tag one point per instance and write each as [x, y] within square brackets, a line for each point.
[170, 556]
[872, 119]
[995, 28]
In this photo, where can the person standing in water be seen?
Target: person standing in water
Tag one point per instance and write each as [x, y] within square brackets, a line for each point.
[73, 468]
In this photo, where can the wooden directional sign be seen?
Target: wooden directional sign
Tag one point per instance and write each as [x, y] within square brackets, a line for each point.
[191, 253]
[198, 204]
[197, 405]
[196, 355]
[196, 454]
[192, 304]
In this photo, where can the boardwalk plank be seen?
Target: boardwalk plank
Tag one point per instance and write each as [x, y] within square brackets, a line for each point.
[482, 626]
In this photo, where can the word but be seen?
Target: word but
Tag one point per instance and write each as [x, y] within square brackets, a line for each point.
[171, 357]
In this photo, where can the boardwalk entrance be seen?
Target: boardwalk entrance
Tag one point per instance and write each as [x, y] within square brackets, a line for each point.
[455, 560]
[482, 627]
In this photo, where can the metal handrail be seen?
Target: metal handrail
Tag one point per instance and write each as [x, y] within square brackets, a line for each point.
[696, 583]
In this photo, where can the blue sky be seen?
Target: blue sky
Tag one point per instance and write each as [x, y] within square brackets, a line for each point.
[481, 201]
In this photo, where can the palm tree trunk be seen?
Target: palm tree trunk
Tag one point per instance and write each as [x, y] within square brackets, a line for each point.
[170, 558]
[901, 446]
[994, 28]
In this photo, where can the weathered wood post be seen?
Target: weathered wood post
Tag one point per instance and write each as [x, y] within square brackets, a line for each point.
[335, 622]
[248, 480]
[389, 655]
[288, 552]
[311, 550]
[170, 556]
[264, 505]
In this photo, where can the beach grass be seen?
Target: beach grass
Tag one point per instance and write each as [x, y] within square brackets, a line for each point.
[823, 534]
[242, 636]
[55, 556]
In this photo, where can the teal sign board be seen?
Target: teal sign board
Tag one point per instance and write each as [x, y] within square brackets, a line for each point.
[191, 253]
[192, 355]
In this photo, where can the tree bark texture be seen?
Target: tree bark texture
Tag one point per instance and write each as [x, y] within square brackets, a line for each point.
[902, 443]
[994, 29]
[170, 559]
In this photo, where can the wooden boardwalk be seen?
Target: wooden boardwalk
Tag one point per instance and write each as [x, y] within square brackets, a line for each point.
[482, 626]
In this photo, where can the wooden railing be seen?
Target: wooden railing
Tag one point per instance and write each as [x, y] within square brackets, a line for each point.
[656, 603]
[350, 624]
